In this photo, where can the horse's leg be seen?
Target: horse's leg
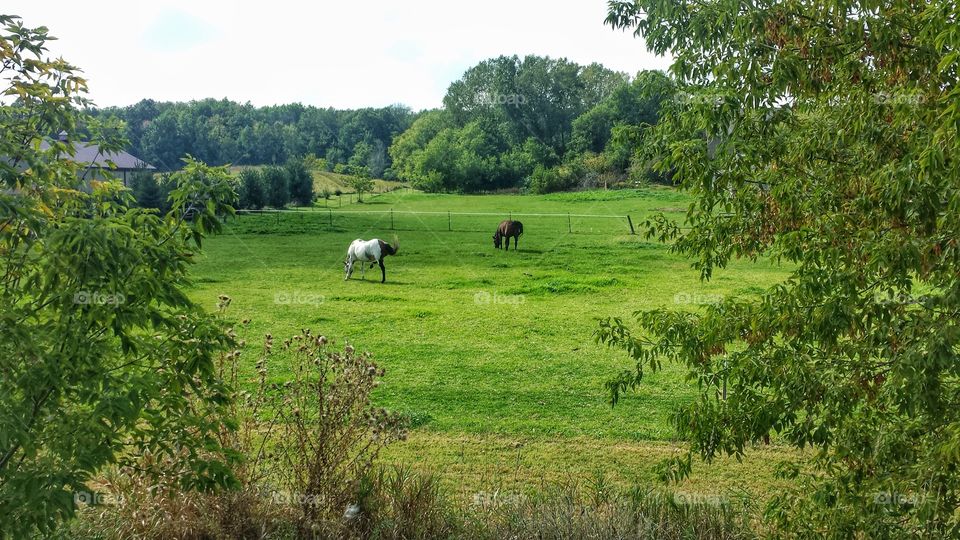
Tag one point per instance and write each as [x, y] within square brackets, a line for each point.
[363, 270]
[383, 272]
[516, 242]
[349, 270]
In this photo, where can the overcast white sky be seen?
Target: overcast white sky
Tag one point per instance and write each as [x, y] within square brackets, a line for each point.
[345, 54]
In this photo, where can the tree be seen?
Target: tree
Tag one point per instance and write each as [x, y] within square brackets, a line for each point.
[361, 183]
[252, 191]
[823, 135]
[103, 354]
[481, 140]
[277, 186]
[222, 131]
[357, 163]
[148, 192]
[636, 105]
[378, 161]
[301, 182]
[408, 146]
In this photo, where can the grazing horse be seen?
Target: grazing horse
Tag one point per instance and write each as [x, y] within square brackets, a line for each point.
[506, 229]
[372, 251]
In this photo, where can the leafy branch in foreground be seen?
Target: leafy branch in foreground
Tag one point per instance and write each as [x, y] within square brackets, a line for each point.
[824, 136]
[102, 355]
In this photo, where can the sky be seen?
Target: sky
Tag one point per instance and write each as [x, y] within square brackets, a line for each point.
[345, 54]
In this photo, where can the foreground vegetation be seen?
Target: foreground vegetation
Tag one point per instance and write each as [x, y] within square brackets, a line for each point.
[833, 149]
[310, 445]
[401, 504]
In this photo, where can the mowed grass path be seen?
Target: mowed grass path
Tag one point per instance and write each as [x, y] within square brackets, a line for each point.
[478, 344]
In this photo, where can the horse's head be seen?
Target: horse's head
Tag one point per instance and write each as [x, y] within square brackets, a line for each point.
[496, 240]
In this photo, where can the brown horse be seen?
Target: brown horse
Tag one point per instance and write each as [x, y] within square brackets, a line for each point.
[506, 229]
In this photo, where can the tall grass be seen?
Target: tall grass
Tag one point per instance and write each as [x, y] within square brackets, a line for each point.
[397, 503]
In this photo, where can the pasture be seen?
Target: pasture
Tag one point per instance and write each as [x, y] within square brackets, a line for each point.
[490, 353]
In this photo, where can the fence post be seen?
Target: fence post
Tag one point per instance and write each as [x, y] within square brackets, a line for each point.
[449, 223]
[330, 215]
[569, 224]
[391, 219]
[630, 221]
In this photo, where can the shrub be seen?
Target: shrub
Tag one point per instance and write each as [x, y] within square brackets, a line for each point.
[431, 182]
[277, 186]
[148, 192]
[300, 181]
[361, 184]
[310, 445]
[329, 434]
[252, 193]
[559, 178]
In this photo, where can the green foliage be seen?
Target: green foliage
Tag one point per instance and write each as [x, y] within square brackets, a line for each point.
[505, 117]
[103, 355]
[635, 104]
[149, 192]
[362, 183]
[544, 180]
[276, 183]
[253, 193]
[310, 444]
[833, 149]
[300, 181]
[222, 131]
[313, 163]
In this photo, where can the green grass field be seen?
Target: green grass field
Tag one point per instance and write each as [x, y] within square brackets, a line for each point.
[491, 353]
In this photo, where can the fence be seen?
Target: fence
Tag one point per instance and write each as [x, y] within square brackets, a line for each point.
[334, 200]
[336, 219]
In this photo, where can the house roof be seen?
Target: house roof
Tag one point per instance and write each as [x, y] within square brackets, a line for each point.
[90, 155]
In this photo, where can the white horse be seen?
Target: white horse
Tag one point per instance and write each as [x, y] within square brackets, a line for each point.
[372, 251]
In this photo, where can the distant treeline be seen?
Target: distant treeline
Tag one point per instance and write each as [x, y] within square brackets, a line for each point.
[222, 131]
[534, 123]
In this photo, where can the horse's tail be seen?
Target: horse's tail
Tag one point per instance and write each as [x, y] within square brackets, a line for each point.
[396, 245]
[519, 228]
